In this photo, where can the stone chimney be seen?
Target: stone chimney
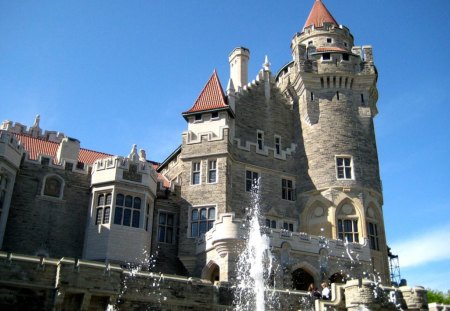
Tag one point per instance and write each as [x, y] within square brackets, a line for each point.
[68, 149]
[238, 59]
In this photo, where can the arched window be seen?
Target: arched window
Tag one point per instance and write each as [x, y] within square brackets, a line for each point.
[127, 211]
[53, 186]
[347, 223]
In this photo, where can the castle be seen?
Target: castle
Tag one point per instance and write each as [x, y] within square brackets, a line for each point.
[302, 137]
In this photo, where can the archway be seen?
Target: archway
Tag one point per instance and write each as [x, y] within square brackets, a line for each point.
[211, 272]
[301, 279]
[338, 278]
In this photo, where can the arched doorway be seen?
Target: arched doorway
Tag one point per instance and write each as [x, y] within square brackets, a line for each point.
[301, 279]
[211, 272]
[338, 278]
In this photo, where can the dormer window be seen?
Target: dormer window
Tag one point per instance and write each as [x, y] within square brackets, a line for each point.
[45, 161]
[215, 115]
[198, 117]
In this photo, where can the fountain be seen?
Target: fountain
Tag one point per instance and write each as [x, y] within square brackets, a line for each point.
[255, 262]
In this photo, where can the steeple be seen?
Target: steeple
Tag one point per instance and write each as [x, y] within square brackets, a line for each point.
[319, 15]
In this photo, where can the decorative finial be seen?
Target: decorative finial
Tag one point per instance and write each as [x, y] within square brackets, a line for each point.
[133, 156]
[37, 119]
[142, 155]
[266, 64]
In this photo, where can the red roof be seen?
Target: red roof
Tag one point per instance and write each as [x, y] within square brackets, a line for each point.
[319, 14]
[36, 147]
[330, 49]
[211, 97]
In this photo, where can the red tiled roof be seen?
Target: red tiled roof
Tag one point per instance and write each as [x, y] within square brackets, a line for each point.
[330, 49]
[319, 14]
[211, 97]
[36, 147]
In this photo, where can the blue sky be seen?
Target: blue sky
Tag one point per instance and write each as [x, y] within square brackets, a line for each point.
[114, 73]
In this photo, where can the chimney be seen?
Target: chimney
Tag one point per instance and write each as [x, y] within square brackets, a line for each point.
[68, 149]
[239, 66]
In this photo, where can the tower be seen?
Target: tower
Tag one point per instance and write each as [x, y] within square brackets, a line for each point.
[332, 86]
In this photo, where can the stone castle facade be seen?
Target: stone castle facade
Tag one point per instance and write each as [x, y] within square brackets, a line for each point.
[302, 138]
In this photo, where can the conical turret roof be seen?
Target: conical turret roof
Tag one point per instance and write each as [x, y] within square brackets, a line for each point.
[211, 97]
[319, 14]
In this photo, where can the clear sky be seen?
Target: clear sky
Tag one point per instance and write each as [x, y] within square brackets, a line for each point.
[113, 73]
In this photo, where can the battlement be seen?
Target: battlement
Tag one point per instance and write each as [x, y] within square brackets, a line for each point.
[125, 169]
[33, 131]
[10, 148]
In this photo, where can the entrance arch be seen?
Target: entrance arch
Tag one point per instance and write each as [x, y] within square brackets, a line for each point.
[211, 272]
[338, 278]
[301, 279]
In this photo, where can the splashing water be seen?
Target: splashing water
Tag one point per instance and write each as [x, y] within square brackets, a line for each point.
[255, 263]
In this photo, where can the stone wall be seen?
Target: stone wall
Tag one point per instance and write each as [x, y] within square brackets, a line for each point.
[44, 284]
[47, 225]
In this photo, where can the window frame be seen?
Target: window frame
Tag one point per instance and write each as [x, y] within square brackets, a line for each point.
[210, 170]
[195, 172]
[129, 214]
[101, 207]
[343, 233]
[288, 193]
[373, 236]
[259, 140]
[207, 222]
[344, 167]
[166, 226]
[277, 143]
[253, 181]
[271, 223]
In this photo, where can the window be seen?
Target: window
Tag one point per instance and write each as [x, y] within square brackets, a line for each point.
[215, 115]
[198, 117]
[147, 218]
[337, 95]
[260, 139]
[270, 223]
[68, 166]
[277, 144]
[362, 98]
[166, 227]
[312, 96]
[287, 189]
[321, 82]
[127, 211]
[202, 219]
[103, 208]
[348, 230]
[344, 167]
[251, 181]
[45, 161]
[3, 187]
[329, 40]
[345, 57]
[326, 56]
[288, 226]
[345, 44]
[195, 173]
[373, 236]
[53, 186]
[310, 42]
[212, 171]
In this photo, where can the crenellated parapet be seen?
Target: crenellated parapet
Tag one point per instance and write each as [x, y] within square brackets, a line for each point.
[11, 149]
[124, 169]
[34, 130]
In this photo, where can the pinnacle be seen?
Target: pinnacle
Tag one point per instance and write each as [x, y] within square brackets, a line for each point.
[319, 15]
